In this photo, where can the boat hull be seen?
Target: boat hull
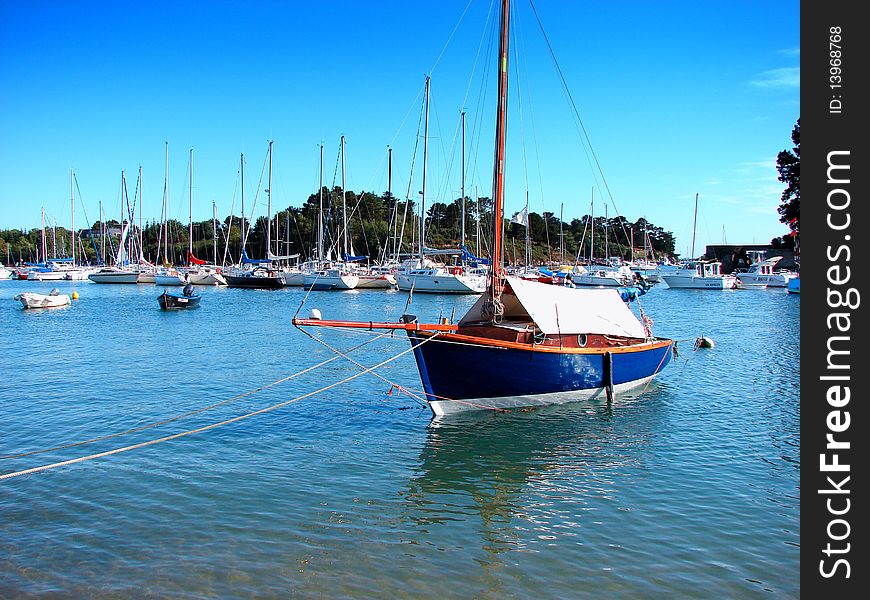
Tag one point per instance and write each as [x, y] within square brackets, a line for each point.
[31, 300]
[169, 280]
[376, 282]
[253, 282]
[206, 278]
[330, 282]
[503, 377]
[726, 282]
[775, 280]
[441, 283]
[117, 277]
[175, 301]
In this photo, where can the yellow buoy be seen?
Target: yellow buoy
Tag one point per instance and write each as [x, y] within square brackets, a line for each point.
[75, 295]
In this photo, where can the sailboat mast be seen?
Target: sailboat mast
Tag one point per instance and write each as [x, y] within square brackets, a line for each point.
[592, 235]
[214, 229]
[102, 235]
[141, 231]
[497, 272]
[425, 160]
[44, 249]
[694, 225]
[269, 206]
[462, 228]
[395, 217]
[242, 169]
[343, 203]
[561, 233]
[476, 221]
[72, 233]
[190, 211]
[320, 212]
[166, 209]
[528, 253]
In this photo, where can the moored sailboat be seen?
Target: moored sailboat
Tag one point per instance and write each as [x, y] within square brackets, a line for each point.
[526, 343]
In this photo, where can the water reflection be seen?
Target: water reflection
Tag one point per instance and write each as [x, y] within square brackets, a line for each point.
[529, 477]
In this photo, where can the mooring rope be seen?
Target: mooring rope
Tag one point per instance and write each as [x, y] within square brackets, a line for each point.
[421, 398]
[190, 413]
[340, 354]
[205, 427]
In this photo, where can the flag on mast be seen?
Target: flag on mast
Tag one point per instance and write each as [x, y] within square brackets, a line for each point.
[521, 218]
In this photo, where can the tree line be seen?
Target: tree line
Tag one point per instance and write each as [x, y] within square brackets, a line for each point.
[378, 226]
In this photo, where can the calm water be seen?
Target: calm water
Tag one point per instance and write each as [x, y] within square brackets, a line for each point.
[690, 490]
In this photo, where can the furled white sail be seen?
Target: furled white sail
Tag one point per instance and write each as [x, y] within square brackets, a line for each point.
[556, 309]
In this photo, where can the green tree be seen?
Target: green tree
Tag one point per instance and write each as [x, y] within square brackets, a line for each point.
[788, 165]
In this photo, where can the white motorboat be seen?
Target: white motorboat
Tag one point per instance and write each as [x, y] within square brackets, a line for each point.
[114, 275]
[436, 278]
[763, 273]
[700, 275]
[331, 279]
[54, 299]
[599, 276]
[5, 273]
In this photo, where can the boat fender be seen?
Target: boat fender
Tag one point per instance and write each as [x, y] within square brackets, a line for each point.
[704, 342]
[315, 315]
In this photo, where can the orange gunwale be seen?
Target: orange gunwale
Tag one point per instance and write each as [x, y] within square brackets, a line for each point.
[448, 335]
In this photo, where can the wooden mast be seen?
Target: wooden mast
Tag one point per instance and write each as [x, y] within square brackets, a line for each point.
[190, 211]
[497, 271]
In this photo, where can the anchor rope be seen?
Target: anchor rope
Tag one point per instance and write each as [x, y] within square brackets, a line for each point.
[340, 354]
[204, 428]
[190, 413]
[420, 398]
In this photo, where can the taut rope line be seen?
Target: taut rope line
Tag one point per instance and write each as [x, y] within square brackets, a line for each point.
[205, 427]
[187, 414]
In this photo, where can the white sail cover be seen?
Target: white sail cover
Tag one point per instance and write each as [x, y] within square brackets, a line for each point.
[556, 309]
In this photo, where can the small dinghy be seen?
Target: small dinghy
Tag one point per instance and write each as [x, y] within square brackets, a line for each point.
[186, 299]
[54, 299]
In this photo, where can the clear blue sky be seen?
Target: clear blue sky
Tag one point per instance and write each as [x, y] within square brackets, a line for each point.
[677, 98]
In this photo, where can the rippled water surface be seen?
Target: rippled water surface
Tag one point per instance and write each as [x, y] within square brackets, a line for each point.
[689, 490]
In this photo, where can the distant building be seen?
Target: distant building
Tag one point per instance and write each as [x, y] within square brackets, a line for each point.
[88, 234]
[740, 256]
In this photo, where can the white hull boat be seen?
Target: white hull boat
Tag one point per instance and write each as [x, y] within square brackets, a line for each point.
[52, 300]
[700, 276]
[172, 277]
[433, 278]
[331, 279]
[762, 273]
[206, 278]
[112, 275]
[373, 281]
[598, 277]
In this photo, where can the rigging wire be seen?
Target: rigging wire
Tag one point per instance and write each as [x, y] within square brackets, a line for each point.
[573, 105]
